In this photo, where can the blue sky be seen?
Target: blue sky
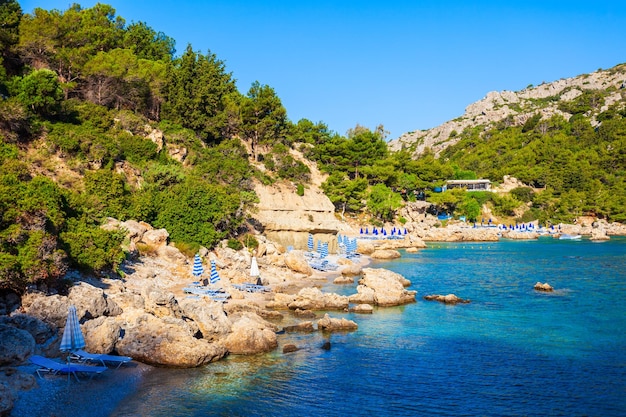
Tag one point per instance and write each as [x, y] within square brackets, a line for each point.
[407, 65]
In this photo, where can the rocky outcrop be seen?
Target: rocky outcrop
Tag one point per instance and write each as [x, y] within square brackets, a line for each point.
[362, 309]
[545, 287]
[313, 299]
[288, 218]
[382, 287]
[16, 345]
[331, 324]
[296, 261]
[251, 334]
[166, 342]
[446, 299]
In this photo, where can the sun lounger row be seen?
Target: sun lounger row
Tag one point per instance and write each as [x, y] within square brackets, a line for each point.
[214, 294]
[323, 265]
[251, 287]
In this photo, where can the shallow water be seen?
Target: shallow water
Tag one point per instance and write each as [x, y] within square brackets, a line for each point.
[511, 352]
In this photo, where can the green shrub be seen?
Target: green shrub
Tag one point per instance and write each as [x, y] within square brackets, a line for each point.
[300, 190]
[234, 244]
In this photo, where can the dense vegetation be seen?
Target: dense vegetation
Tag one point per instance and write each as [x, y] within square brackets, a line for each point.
[85, 95]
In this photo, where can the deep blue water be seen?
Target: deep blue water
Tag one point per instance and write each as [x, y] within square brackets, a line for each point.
[511, 352]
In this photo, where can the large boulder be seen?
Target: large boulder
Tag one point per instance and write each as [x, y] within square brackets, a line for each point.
[38, 329]
[91, 302]
[160, 303]
[7, 399]
[51, 309]
[312, 298]
[383, 288]
[209, 316]
[101, 334]
[16, 345]
[250, 335]
[295, 261]
[385, 254]
[166, 342]
[331, 324]
[281, 301]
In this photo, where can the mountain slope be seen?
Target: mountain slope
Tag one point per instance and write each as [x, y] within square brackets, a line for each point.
[516, 108]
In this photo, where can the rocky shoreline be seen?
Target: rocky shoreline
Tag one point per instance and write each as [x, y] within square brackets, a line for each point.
[146, 314]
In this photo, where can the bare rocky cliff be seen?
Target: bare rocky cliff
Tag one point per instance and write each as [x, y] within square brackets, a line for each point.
[288, 218]
[518, 107]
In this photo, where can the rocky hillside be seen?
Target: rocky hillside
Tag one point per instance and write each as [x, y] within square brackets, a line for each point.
[518, 107]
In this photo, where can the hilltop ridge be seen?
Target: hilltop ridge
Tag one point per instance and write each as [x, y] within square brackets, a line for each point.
[518, 107]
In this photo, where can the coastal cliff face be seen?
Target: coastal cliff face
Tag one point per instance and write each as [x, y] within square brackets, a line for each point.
[288, 218]
[519, 106]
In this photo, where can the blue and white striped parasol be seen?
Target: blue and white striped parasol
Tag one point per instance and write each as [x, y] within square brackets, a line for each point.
[197, 266]
[309, 243]
[73, 339]
[214, 275]
[324, 250]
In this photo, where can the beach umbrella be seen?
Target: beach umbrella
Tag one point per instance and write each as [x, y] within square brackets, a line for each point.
[72, 339]
[309, 243]
[324, 251]
[361, 231]
[197, 266]
[214, 275]
[254, 268]
[367, 230]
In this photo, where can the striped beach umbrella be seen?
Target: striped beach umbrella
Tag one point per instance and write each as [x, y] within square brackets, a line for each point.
[214, 275]
[72, 339]
[324, 251]
[309, 243]
[197, 266]
[319, 245]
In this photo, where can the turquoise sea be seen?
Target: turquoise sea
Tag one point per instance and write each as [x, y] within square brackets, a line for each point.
[511, 352]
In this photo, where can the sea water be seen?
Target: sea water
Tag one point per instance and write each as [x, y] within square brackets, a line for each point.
[511, 351]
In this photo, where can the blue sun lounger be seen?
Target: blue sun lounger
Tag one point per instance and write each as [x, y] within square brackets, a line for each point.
[49, 366]
[113, 360]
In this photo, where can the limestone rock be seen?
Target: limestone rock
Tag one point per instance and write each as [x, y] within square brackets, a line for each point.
[210, 318]
[350, 270]
[281, 301]
[383, 288]
[160, 303]
[16, 345]
[288, 348]
[155, 237]
[296, 262]
[331, 324]
[51, 309]
[344, 280]
[303, 327]
[543, 287]
[7, 399]
[362, 309]
[446, 299]
[385, 254]
[38, 329]
[251, 335]
[313, 299]
[166, 342]
[101, 334]
[91, 302]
